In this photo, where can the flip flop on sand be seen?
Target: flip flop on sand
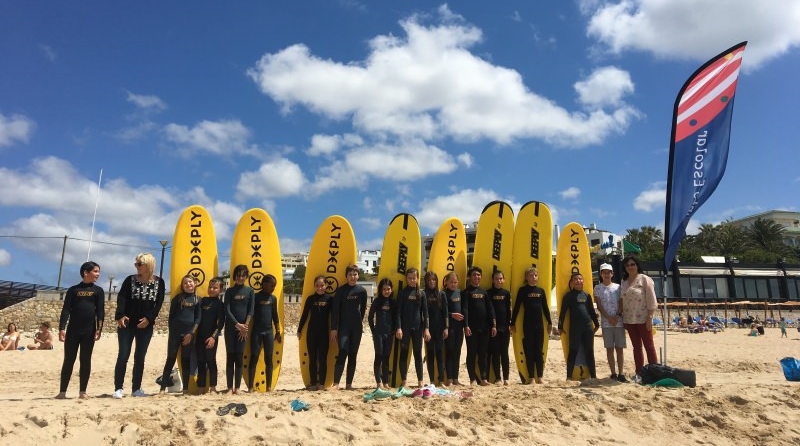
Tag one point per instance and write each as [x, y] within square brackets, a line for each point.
[225, 410]
[298, 405]
[239, 410]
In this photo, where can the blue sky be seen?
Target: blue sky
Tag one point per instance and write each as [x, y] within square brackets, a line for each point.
[313, 108]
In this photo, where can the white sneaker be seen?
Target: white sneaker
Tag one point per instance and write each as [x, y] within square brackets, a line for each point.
[139, 393]
[117, 394]
[637, 379]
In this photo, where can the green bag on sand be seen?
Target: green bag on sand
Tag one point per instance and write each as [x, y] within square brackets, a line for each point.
[666, 382]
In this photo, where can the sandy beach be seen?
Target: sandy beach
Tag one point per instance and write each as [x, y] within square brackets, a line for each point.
[741, 398]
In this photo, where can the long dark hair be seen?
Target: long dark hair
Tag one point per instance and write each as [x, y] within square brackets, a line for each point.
[384, 282]
[433, 293]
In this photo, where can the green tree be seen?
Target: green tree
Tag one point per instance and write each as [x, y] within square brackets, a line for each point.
[650, 239]
[767, 235]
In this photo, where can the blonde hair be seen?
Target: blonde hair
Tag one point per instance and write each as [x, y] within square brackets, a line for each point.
[149, 262]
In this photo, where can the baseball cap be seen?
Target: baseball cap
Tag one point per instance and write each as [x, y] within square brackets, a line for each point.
[606, 266]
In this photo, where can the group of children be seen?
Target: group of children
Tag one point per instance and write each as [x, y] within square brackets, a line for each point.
[425, 314]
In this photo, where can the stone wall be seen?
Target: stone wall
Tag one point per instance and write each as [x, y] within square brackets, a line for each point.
[46, 307]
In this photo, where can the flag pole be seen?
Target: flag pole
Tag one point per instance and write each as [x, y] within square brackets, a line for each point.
[94, 217]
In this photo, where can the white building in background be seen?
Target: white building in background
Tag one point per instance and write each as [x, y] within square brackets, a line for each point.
[602, 241]
[789, 220]
[368, 259]
[289, 262]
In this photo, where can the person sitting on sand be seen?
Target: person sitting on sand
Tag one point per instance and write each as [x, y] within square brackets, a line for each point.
[43, 339]
[10, 339]
[753, 330]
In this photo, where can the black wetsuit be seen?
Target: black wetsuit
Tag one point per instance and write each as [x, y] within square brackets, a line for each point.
[212, 321]
[581, 331]
[184, 318]
[412, 318]
[265, 316]
[479, 317]
[349, 309]
[534, 301]
[381, 324]
[439, 320]
[455, 335]
[317, 310]
[136, 300]
[81, 316]
[498, 345]
[239, 307]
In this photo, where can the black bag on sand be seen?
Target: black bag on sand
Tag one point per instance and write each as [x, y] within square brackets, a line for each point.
[654, 372]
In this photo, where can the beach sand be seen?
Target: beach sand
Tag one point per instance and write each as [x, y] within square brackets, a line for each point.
[742, 398]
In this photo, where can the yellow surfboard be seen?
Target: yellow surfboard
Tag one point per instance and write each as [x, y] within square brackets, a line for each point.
[533, 246]
[332, 249]
[494, 246]
[572, 256]
[448, 253]
[402, 249]
[194, 251]
[255, 245]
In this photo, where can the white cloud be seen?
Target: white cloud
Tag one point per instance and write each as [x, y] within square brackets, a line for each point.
[148, 102]
[695, 29]
[291, 246]
[48, 52]
[403, 161]
[653, 198]
[15, 128]
[605, 87]
[279, 178]
[225, 137]
[132, 219]
[428, 84]
[465, 159]
[324, 145]
[570, 193]
[371, 223]
[5, 257]
[465, 204]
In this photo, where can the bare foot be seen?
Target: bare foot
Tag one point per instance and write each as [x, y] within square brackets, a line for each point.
[213, 390]
[419, 384]
[484, 383]
[83, 396]
[505, 382]
[61, 396]
[348, 387]
[538, 380]
[235, 392]
[333, 388]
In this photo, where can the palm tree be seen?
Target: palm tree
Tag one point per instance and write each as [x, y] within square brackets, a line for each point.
[767, 235]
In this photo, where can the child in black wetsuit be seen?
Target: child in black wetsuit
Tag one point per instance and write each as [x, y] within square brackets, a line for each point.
[317, 311]
[239, 306]
[583, 324]
[212, 321]
[347, 326]
[533, 300]
[455, 332]
[498, 345]
[184, 318]
[412, 324]
[80, 325]
[438, 318]
[265, 315]
[381, 324]
[479, 325]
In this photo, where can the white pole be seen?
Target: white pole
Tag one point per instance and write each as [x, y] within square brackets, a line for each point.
[96, 201]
